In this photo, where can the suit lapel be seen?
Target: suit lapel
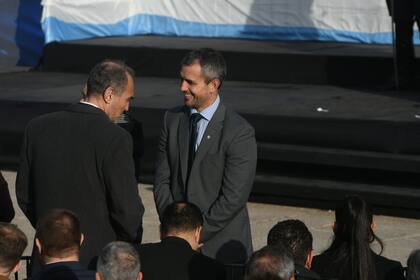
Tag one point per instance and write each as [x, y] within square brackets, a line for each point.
[212, 133]
[183, 139]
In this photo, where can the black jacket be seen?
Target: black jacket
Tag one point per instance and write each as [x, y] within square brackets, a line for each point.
[327, 267]
[79, 160]
[173, 258]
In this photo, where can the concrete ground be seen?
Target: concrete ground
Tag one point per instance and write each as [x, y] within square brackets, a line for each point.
[400, 235]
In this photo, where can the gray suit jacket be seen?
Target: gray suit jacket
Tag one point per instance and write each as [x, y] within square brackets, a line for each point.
[220, 181]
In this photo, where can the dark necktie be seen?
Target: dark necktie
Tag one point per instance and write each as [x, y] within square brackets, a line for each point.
[194, 119]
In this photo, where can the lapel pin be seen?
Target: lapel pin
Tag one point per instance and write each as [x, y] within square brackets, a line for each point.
[208, 136]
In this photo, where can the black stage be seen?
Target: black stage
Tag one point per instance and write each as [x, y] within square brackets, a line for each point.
[316, 143]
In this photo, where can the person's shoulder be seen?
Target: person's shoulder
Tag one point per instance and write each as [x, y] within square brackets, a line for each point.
[176, 112]
[302, 273]
[235, 119]
[322, 260]
[385, 261]
[386, 264]
[148, 249]
[208, 264]
[64, 271]
[388, 269]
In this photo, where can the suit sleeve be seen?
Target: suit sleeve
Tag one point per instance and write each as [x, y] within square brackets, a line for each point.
[161, 190]
[124, 203]
[23, 181]
[6, 206]
[238, 178]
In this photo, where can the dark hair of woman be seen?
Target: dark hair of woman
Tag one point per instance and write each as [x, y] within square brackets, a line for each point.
[413, 266]
[353, 236]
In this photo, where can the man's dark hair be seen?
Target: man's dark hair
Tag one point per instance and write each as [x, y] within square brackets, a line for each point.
[270, 263]
[59, 233]
[180, 217]
[12, 244]
[118, 261]
[295, 235]
[108, 73]
[213, 65]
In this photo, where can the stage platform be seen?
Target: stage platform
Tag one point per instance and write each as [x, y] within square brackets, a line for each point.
[248, 60]
[316, 143]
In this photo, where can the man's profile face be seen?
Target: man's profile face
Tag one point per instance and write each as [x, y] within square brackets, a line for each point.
[198, 93]
[120, 103]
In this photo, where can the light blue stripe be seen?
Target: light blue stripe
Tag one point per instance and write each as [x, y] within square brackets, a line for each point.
[58, 30]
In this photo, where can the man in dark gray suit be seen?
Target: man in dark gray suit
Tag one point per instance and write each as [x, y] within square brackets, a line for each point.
[78, 159]
[207, 156]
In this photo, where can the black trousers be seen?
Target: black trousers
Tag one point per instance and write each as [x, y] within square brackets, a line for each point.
[405, 49]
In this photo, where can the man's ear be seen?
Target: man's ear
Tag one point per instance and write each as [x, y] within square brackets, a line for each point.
[197, 234]
[309, 258]
[214, 85]
[82, 238]
[139, 276]
[97, 276]
[107, 95]
[17, 267]
[38, 245]
[334, 227]
[373, 226]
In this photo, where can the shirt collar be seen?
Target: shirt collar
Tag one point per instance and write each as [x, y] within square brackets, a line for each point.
[208, 112]
[88, 103]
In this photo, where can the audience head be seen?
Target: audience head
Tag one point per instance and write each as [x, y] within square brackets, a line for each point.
[202, 74]
[184, 220]
[296, 237]
[354, 222]
[58, 236]
[110, 86]
[270, 263]
[118, 261]
[353, 234]
[413, 266]
[12, 244]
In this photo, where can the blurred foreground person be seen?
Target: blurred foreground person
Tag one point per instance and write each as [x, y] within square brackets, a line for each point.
[12, 244]
[270, 263]
[118, 261]
[58, 240]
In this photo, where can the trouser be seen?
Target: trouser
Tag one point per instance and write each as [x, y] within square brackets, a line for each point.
[405, 49]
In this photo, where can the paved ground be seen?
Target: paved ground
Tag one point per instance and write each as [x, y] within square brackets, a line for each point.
[400, 235]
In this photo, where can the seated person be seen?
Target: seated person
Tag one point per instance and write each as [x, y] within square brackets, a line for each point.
[413, 266]
[12, 244]
[58, 239]
[118, 261]
[296, 237]
[176, 256]
[271, 263]
[349, 255]
[6, 206]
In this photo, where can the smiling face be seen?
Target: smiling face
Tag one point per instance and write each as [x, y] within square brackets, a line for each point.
[199, 93]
